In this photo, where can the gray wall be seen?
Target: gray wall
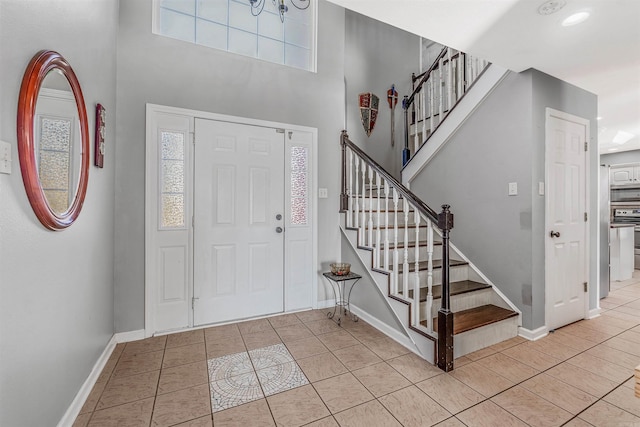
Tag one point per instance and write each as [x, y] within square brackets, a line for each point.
[377, 55]
[159, 70]
[631, 156]
[502, 142]
[553, 93]
[471, 172]
[56, 288]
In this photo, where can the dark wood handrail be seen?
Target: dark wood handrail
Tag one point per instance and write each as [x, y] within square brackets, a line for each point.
[425, 77]
[404, 191]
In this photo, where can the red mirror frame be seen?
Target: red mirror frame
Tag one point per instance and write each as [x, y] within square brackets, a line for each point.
[41, 64]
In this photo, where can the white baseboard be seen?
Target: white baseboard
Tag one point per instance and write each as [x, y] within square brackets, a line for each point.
[592, 314]
[76, 405]
[533, 335]
[392, 333]
[129, 336]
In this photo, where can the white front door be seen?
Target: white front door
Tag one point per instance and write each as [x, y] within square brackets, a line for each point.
[566, 226]
[238, 221]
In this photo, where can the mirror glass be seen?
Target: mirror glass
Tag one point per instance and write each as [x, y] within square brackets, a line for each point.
[57, 132]
[53, 140]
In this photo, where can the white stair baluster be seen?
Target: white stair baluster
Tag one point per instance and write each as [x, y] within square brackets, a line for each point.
[432, 104]
[405, 264]
[429, 308]
[386, 225]
[363, 226]
[417, 109]
[396, 255]
[423, 97]
[449, 81]
[371, 207]
[416, 275]
[356, 197]
[441, 90]
[376, 251]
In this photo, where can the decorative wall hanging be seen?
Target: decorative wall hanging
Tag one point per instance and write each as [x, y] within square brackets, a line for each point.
[368, 111]
[100, 133]
[392, 98]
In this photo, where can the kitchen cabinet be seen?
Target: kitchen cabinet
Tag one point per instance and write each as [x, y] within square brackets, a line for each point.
[621, 255]
[626, 174]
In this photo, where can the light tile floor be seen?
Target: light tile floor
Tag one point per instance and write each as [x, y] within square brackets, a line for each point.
[303, 369]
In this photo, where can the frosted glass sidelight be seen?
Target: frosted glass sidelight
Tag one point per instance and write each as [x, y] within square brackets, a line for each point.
[229, 25]
[54, 159]
[58, 200]
[172, 148]
[299, 187]
[298, 211]
[54, 170]
[172, 210]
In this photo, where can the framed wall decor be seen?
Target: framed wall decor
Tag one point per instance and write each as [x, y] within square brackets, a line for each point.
[100, 134]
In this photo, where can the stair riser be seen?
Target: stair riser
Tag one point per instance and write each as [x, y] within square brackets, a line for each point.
[475, 339]
[461, 302]
[456, 274]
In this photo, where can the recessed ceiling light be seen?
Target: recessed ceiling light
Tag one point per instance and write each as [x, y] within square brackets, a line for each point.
[613, 149]
[622, 137]
[575, 19]
[551, 6]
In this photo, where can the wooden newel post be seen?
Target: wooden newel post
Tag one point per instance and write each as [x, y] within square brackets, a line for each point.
[445, 315]
[405, 152]
[344, 197]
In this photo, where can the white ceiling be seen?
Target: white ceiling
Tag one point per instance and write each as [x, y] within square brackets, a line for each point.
[601, 55]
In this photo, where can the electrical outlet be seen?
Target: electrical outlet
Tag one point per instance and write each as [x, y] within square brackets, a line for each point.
[323, 193]
[513, 188]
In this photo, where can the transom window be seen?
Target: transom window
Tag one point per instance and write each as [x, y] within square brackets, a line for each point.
[229, 25]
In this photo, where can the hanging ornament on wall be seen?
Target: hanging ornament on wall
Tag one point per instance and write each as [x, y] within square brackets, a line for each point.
[368, 111]
[392, 98]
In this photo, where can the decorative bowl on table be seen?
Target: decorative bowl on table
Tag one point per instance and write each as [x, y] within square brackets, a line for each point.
[340, 268]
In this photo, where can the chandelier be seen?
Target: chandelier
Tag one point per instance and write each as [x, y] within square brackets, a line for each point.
[258, 5]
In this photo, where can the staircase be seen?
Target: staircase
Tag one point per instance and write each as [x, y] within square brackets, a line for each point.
[446, 306]
[436, 92]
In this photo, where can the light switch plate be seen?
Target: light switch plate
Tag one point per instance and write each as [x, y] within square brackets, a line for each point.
[513, 188]
[5, 157]
[323, 193]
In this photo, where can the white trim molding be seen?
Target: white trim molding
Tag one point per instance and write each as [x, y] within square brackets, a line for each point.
[593, 313]
[129, 336]
[392, 333]
[74, 409]
[533, 335]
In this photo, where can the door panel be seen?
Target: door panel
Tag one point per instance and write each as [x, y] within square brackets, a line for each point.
[566, 267]
[239, 190]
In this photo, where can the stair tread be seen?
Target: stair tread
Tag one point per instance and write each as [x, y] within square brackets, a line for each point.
[456, 288]
[424, 265]
[477, 317]
[400, 227]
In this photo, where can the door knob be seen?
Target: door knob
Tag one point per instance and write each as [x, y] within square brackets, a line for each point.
[555, 233]
[279, 230]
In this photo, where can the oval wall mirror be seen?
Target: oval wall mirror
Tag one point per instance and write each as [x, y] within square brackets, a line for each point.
[53, 140]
